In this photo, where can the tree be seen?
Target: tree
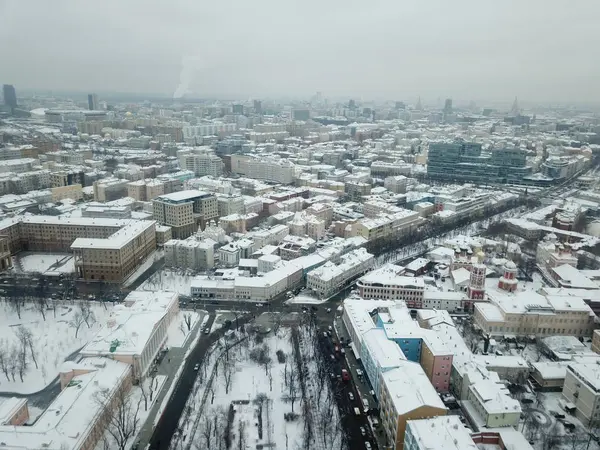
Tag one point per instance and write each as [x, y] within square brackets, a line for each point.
[121, 416]
[87, 314]
[76, 321]
[25, 337]
[41, 303]
[13, 361]
[187, 317]
[207, 430]
[4, 362]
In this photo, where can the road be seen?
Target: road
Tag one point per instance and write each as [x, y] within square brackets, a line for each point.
[169, 420]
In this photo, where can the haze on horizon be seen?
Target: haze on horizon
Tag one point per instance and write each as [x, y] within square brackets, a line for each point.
[465, 49]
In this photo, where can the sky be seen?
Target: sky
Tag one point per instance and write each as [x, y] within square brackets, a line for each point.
[538, 50]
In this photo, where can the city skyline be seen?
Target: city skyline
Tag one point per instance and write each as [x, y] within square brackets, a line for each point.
[464, 51]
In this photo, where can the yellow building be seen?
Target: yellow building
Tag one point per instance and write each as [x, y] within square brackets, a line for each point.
[73, 191]
[406, 394]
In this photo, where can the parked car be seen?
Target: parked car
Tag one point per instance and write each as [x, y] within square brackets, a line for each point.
[345, 374]
[196, 367]
[363, 431]
[356, 412]
[350, 395]
[367, 445]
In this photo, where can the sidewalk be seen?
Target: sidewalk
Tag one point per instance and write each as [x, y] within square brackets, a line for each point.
[170, 367]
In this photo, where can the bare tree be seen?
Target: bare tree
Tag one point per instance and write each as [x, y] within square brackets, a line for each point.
[76, 321]
[87, 314]
[207, 430]
[17, 303]
[228, 367]
[22, 364]
[187, 318]
[242, 436]
[4, 362]
[13, 359]
[25, 337]
[121, 415]
[41, 303]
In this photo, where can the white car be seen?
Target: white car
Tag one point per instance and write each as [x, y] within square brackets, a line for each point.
[196, 367]
[350, 395]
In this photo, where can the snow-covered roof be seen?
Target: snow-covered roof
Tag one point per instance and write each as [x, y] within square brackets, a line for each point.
[552, 370]
[67, 422]
[572, 277]
[386, 353]
[587, 372]
[441, 433]
[182, 195]
[117, 240]
[493, 398]
[410, 389]
[490, 312]
[461, 275]
[388, 275]
[9, 406]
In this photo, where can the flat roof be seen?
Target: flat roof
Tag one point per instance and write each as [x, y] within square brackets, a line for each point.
[116, 240]
[386, 353]
[182, 196]
[389, 275]
[441, 433]
[409, 388]
[65, 423]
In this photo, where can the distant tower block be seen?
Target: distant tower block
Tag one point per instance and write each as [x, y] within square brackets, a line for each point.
[508, 281]
[476, 289]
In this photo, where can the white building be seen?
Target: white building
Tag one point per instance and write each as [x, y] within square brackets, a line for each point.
[386, 283]
[582, 389]
[209, 129]
[395, 184]
[190, 254]
[202, 161]
[136, 330]
[439, 433]
[489, 407]
[329, 278]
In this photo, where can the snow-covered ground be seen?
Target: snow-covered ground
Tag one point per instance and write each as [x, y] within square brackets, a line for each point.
[179, 331]
[46, 262]
[251, 399]
[169, 280]
[52, 339]
[306, 299]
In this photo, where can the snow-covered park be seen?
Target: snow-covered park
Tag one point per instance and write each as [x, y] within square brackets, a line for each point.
[169, 280]
[36, 338]
[261, 389]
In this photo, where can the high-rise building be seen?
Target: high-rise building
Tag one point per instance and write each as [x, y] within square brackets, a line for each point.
[10, 95]
[237, 109]
[465, 162]
[93, 102]
[257, 106]
[448, 106]
[301, 114]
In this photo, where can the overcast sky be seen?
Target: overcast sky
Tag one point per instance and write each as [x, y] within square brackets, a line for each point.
[538, 50]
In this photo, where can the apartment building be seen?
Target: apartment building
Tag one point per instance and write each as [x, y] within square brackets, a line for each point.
[322, 211]
[406, 394]
[184, 211]
[67, 178]
[490, 407]
[17, 165]
[582, 389]
[386, 226]
[436, 360]
[379, 355]
[106, 212]
[201, 161]
[5, 258]
[117, 256]
[329, 278]
[74, 192]
[374, 208]
[527, 313]
[439, 433]
[396, 184]
[109, 189]
[208, 129]
[386, 283]
[267, 168]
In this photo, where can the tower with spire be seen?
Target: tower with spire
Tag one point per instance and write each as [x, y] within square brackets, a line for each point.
[515, 107]
[419, 106]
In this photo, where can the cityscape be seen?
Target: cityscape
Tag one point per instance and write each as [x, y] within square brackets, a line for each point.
[222, 266]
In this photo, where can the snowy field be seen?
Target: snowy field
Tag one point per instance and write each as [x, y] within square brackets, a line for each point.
[47, 343]
[169, 280]
[251, 388]
[181, 328]
[45, 262]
